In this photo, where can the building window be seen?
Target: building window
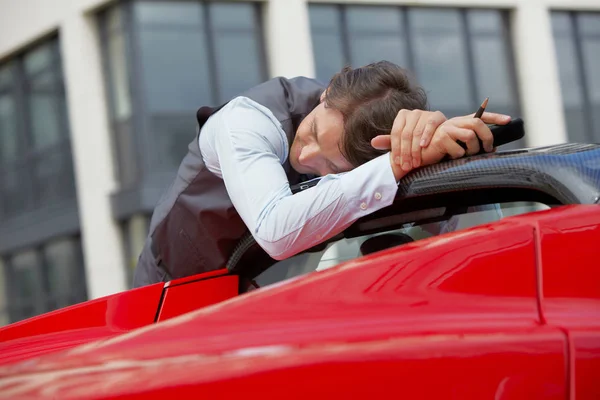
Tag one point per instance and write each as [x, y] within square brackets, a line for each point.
[44, 278]
[577, 43]
[36, 169]
[459, 56]
[162, 61]
[37, 185]
[165, 59]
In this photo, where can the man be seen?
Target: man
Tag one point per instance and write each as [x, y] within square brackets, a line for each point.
[238, 171]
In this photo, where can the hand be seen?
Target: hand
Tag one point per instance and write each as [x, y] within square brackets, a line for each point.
[412, 130]
[466, 129]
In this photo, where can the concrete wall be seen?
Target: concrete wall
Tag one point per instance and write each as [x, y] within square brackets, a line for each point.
[289, 52]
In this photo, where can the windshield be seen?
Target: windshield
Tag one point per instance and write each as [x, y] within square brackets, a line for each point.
[349, 249]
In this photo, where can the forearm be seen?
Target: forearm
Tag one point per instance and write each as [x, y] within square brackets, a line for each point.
[295, 223]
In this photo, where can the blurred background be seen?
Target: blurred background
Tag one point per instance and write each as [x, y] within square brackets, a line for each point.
[98, 101]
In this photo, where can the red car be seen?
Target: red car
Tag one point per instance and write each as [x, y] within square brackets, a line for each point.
[508, 309]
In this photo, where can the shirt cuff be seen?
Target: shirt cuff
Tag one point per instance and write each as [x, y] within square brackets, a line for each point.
[371, 186]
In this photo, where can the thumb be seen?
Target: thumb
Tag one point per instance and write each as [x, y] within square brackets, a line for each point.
[382, 142]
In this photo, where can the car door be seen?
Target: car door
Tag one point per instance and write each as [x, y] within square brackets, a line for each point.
[183, 295]
[570, 253]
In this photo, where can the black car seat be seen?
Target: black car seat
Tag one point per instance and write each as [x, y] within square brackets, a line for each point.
[382, 242]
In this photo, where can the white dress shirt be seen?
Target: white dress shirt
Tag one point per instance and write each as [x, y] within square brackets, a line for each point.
[245, 145]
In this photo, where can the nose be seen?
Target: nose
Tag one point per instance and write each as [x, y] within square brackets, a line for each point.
[309, 156]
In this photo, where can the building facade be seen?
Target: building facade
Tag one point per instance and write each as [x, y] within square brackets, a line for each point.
[98, 98]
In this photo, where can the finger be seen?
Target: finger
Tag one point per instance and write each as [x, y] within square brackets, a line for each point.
[492, 118]
[415, 144]
[466, 136]
[416, 148]
[433, 123]
[426, 120]
[382, 142]
[407, 138]
[395, 134]
[480, 128]
[484, 133]
[452, 148]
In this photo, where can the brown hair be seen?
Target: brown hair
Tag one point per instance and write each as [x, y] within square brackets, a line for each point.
[369, 99]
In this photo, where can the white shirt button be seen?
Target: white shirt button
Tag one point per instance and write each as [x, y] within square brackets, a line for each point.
[378, 196]
[363, 206]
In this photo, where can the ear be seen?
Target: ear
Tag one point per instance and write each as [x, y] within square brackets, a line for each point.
[323, 95]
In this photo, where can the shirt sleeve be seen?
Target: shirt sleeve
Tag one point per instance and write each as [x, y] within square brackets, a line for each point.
[246, 146]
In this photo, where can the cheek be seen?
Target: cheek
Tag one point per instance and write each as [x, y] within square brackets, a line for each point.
[297, 141]
[302, 130]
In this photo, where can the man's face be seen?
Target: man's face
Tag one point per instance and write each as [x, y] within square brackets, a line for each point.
[316, 147]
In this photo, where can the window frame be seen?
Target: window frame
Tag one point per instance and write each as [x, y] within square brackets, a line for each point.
[475, 93]
[39, 220]
[22, 90]
[576, 38]
[45, 301]
[140, 193]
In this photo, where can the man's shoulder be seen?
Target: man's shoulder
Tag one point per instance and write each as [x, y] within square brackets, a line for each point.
[287, 98]
[249, 125]
[245, 105]
[244, 113]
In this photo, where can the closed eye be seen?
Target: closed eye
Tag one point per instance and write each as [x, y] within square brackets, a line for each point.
[333, 167]
[313, 128]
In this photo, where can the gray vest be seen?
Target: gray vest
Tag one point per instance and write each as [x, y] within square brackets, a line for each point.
[194, 227]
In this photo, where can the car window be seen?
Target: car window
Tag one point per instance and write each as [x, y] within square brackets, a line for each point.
[349, 249]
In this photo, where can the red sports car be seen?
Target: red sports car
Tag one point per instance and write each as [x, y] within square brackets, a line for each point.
[505, 309]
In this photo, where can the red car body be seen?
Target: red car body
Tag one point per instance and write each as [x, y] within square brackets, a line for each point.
[506, 310]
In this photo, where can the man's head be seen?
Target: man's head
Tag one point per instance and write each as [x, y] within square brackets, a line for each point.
[358, 105]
